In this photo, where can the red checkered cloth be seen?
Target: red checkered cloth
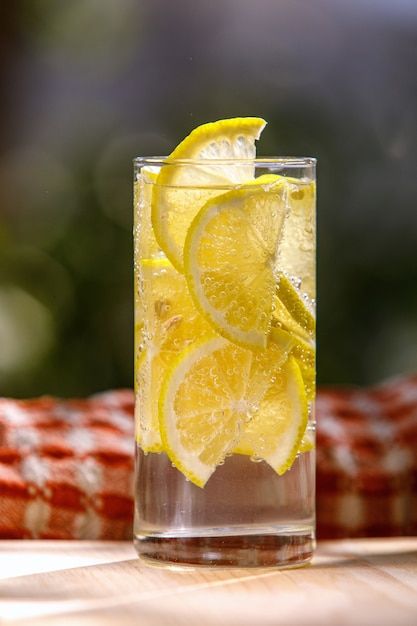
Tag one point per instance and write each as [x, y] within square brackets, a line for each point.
[66, 467]
[367, 460]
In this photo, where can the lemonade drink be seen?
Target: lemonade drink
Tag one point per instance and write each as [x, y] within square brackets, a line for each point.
[224, 352]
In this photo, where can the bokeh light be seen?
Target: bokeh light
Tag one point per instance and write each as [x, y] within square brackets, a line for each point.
[26, 332]
[37, 196]
[95, 37]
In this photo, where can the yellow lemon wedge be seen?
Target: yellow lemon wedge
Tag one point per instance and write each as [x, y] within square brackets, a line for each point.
[275, 432]
[295, 305]
[305, 353]
[170, 324]
[296, 257]
[208, 161]
[218, 396]
[307, 442]
[145, 242]
[230, 254]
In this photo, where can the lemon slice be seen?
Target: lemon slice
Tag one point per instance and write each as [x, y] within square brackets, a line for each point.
[145, 245]
[187, 179]
[170, 323]
[298, 307]
[309, 378]
[299, 320]
[307, 442]
[297, 249]
[275, 432]
[215, 389]
[282, 318]
[229, 255]
[150, 173]
[291, 308]
[305, 354]
[144, 241]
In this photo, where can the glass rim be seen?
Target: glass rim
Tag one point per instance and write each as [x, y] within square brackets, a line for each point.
[283, 161]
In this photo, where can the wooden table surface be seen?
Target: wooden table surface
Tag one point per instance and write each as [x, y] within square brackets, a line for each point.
[361, 582]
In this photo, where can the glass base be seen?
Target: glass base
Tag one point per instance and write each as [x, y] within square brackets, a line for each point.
[250, 550]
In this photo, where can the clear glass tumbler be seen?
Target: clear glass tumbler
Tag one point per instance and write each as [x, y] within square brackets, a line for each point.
[225, 361]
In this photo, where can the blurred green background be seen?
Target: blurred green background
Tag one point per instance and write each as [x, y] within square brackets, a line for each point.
[88, 84]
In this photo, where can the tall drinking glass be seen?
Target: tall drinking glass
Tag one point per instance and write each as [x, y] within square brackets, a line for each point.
[225, 363]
